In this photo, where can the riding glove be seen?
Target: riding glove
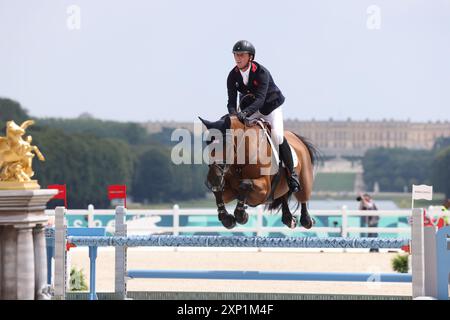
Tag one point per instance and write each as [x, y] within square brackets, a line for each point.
[242, 116]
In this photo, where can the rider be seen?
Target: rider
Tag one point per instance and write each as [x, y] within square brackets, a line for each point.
[254, 81]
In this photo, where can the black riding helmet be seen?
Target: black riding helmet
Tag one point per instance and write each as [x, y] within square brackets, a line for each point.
[244, 46]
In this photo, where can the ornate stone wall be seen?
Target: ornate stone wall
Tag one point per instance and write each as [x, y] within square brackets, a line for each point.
[23, 266]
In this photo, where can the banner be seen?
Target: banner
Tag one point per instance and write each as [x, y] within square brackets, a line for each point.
[118, 191]
[62, 192]
[422, 192]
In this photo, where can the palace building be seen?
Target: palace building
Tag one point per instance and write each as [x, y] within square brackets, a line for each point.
[355, 137]
[352, 138]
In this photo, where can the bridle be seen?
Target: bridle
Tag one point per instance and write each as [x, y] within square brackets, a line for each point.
[224, 168]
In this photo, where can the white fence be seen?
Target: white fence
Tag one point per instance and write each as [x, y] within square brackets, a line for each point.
[144, 221]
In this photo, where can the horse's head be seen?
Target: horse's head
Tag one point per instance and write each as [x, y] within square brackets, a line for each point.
[217, 131]
[235, 143]
[247, 140]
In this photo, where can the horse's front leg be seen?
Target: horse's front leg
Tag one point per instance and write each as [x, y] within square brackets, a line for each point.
[240, 214]
[227, 219]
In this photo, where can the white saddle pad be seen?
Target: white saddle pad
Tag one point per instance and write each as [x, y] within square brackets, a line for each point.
[275, 151]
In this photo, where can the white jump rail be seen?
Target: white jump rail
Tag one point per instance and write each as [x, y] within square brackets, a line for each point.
[259, 229]
[426, 259]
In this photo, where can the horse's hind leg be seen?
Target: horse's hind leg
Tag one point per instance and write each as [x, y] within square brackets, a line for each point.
[227, 219]
[303, 196]
[305, 219]
[287, 218]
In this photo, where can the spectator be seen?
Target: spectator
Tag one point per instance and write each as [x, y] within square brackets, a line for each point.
[366, 203]
[444, 220]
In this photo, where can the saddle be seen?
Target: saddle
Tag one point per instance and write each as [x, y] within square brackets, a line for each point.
[266, 127]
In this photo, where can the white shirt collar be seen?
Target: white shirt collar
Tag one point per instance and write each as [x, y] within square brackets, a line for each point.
[246, 74]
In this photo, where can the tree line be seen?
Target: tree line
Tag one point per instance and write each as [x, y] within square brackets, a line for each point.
[89, 154]
[398, 169]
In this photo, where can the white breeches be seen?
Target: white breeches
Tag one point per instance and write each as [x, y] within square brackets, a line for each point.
[275, 118]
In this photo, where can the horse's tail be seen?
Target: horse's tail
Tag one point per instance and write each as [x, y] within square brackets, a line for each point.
[276, 204]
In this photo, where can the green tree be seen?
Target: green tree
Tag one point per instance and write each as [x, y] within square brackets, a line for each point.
[441, 143]
[158, 179]
[441, 172]
[153, 178]
[11, 110]
[132, 133]
[86, 164]
[395, 168]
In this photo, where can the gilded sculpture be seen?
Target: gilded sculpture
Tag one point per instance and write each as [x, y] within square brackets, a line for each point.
[16, 157]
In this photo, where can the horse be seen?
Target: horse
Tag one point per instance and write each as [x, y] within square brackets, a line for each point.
[243, 181]
[16, 154]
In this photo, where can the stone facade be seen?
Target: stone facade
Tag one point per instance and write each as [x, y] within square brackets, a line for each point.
[23, 262]
[355, 137]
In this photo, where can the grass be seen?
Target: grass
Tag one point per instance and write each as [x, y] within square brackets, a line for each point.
[334, 181]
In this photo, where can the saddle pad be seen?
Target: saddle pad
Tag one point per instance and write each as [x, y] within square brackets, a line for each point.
[275, 151]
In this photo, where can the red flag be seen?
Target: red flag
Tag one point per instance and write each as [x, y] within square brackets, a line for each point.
[118, 191]
[70, 245]
[62, 192]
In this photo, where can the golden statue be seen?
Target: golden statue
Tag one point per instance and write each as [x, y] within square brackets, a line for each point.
[16, 156]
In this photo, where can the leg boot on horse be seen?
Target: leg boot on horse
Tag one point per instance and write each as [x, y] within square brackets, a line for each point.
[228, 220]
[305, 219]
[240, 214]
[286, 156]
[287, 217]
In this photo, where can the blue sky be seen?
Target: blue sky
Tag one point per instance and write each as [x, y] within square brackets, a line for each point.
[168, 59]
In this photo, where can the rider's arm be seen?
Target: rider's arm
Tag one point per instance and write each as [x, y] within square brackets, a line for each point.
[232, 95]
[260, 94]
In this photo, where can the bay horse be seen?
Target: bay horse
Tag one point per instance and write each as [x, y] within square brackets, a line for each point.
[243, 181]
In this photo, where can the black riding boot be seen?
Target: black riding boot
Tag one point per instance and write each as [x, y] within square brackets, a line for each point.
[286, 156]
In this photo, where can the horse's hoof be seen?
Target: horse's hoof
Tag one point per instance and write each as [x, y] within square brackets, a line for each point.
[241, 216]
[306, 221]
[290, 222]
[227, 220]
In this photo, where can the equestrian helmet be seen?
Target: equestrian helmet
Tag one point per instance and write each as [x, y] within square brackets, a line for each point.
[244, 46]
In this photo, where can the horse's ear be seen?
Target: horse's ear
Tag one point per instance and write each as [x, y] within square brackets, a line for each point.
[206, 123]
[221, 124]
